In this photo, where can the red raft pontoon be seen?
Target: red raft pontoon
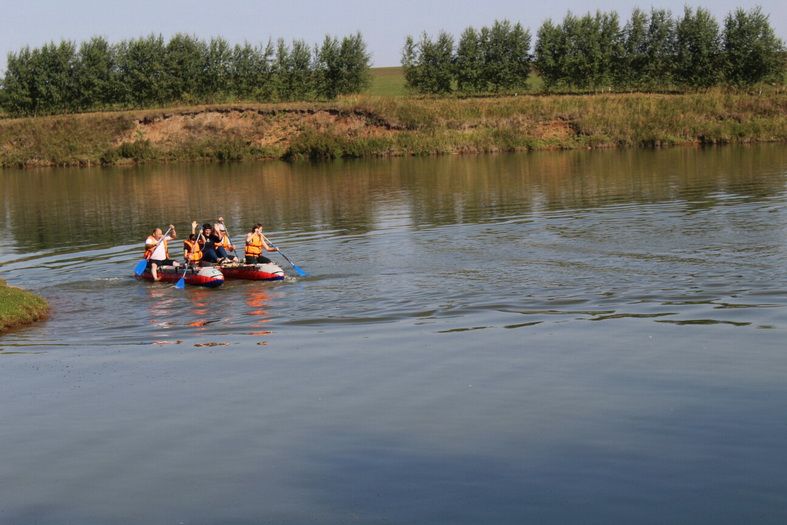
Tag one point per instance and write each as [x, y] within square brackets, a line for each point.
[252, 272]
[208, 276]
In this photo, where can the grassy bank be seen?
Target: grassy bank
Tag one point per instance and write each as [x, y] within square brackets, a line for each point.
[18, 307]
[367, 126]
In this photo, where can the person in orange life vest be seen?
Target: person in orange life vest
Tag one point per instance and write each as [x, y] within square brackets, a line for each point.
[192, 251]
[224, 246]
[156, 252]
[255, 245]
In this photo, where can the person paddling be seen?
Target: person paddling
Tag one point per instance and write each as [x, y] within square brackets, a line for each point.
[208, 241]
[224, 246]
[255, 245]
[156, 251]
[192, 251]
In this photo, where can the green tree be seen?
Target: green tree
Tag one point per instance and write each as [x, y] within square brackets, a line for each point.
[550, 53]
[633, 70]
[660, 49]
[429, 65]
[186, 56]
[698, 49]
[294, 73]
[752, 52]
[328, 67]
[217, 70]
[355, 60]
[613, 53]
[469, 62]
[506, 55]
[143, 74]
[17, 85]
[435, 60]
[54, 85]
[410, 64]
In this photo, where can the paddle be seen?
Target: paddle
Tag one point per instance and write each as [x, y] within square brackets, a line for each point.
[142, 265]
[300, 271]
[181, 284]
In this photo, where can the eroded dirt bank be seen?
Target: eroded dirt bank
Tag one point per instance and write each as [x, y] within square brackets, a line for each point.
[369, 127]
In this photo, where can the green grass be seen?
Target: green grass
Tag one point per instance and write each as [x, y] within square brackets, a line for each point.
[387, 82]
[18, 307]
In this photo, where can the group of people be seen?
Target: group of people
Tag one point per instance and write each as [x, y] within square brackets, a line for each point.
[210, 244]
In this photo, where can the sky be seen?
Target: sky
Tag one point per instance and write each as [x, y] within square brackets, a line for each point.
[384, 25]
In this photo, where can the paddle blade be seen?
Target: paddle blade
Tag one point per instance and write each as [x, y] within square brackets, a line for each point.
[181, 284]
[300, 271]
[140, 267]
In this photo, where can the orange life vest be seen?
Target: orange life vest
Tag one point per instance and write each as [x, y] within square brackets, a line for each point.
[254, 246]
[225, 242]
[150, 246]
[193, 251]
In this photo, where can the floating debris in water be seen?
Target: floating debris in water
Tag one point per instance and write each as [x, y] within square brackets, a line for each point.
[212, 343]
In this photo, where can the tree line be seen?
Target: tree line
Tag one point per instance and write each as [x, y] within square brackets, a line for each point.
[651, 51]
[61, 77]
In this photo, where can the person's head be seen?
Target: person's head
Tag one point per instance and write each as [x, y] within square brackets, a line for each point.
[192, 237]
[220, 229]
[258, 227]
[157, 233]
[207, 229]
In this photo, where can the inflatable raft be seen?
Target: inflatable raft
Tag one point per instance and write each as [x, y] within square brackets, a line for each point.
[209, 277]
[252, 272]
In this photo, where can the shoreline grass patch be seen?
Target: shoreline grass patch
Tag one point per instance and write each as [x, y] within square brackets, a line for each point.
[19, 307]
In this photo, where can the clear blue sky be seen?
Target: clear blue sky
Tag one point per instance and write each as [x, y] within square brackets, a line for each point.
[383, 24]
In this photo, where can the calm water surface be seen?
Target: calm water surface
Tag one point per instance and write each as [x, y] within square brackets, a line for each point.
[546, 338]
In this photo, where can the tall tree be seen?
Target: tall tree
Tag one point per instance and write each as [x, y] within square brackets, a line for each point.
[299, 78]
[611, 42]
[550, 54]
[328, 67]
[633, 72]
[470, 62]
[752, 52]
[17, 86]
[355, 65]
[660, 49]
[143, 72]
[410, 64]
[186, 56]
[506, 55]
[698, 49]
[216, 70]
[428, 64]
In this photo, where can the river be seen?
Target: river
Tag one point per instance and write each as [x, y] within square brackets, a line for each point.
[556, 337]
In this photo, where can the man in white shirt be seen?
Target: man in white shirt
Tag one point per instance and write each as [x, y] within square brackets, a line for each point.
[156, 250]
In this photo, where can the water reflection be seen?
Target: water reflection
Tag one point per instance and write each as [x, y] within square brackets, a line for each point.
[110, 207]
[508, 333]
[257, 299]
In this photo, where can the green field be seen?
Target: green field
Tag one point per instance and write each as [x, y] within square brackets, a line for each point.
[387, 82]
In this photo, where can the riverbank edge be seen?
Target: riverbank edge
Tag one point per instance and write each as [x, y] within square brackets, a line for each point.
[365, 127]
[20, 308]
